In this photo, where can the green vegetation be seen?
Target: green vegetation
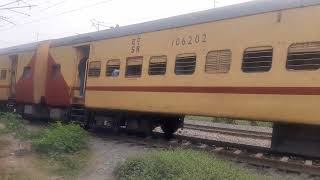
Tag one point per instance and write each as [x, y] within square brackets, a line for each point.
[10, 123]
[63, 148]
[230, 121]
[61, 138]
[181, 164]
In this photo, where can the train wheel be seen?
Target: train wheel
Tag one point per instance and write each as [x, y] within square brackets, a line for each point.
[169, 127]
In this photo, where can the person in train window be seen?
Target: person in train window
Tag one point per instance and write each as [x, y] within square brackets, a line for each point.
[82, 73]
[115, 73]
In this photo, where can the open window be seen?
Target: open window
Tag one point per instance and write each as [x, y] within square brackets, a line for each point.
[185, 64]
[94, 69]
[56, 70]
[158, 65]
[134, 66]
[304, 56]
[113, 68]
[26, 72]
[257, 59]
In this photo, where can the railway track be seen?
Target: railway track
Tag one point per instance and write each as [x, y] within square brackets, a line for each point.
[261, 157]
[253, 155]
[229, 131]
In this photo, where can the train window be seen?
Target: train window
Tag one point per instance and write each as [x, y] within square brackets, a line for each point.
[56, 68]
[26, 72]
[304, 56]
[113, 68]
[185, 64]
[158, 65]
[257, 59]
[94, 69]
[134, 67]
[218, 62]
[3, 74]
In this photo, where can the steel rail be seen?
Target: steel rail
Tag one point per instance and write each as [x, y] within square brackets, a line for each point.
[229, 131]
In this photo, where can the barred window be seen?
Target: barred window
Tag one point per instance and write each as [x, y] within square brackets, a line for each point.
[304, 56]
[257, 59]
[113, 68]
[134, 66]
[158, 65]
[218, 62]
[3, 74]
[94, 69]
[185, 64]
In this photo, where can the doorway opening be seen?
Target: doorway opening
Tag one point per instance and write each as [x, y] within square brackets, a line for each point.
[83, 53]
[13, 75]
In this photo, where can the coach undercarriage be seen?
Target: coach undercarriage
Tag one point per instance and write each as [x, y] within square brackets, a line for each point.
[286, 138]
[296, 139]
[135, 122]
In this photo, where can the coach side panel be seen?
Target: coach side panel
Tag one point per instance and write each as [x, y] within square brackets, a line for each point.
[278, 95]
[4, 77]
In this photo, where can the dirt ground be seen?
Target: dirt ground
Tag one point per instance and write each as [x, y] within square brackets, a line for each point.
[17, 162]
[108, 152]
[17, 159]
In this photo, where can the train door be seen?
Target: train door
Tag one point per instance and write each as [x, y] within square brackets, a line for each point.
[83, 53]
[13, 70]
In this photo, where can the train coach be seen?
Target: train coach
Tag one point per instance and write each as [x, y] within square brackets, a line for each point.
[258, 60]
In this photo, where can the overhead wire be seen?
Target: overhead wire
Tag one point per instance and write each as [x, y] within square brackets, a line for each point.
[59, 14]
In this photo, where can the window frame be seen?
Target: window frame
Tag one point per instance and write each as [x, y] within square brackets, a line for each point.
[126, 69]
[106, 74]
[185, 55]
[166, 66]
[257, 47]
[55, 74]
[88, 72]
[5, 76]
[298, 70]
[206, 62]
[24, 75]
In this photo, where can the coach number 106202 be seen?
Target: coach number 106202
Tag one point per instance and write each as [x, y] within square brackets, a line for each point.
[190, 40]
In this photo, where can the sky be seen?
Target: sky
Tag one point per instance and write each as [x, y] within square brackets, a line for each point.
[50, 19]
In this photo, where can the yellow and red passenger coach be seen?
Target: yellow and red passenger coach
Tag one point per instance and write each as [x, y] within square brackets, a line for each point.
[258, 60]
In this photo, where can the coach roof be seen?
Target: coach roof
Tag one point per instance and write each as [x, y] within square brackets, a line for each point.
[228, 12]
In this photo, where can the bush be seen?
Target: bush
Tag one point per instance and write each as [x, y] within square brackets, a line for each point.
[61, 138]
[180, 164]
[12, 122]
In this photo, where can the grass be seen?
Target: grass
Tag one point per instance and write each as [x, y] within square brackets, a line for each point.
[65, 165]
[230, 121]
[61, 138]
[60, 149]
[11, 123]
[181, 164]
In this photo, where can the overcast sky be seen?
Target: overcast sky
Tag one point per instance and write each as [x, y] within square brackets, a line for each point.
[59, 18]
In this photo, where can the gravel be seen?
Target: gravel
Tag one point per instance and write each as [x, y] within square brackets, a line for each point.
[227, 138]
[230, 126]
[108, 153]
